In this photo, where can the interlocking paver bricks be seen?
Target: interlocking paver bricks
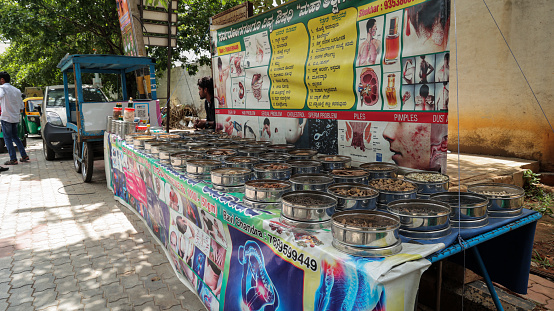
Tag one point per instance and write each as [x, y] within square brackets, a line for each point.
[45, 299]
[20, 295]
[21, 307]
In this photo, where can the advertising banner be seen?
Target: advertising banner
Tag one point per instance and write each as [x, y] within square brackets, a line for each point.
[238, 258]
[368, 79]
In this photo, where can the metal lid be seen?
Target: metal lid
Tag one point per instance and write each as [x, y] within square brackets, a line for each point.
[462, 199]
[271, 167]
[393, 185]
[349, 172]
[427, 177]
[304, 163]
[419, 208]
[309, 199]
[311, 179]
[497, 190]
[362, 220]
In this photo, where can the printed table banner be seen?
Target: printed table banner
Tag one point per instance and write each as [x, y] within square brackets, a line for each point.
[238, 258]
[367, 79]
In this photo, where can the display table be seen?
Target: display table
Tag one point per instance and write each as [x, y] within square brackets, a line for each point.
[237, 258]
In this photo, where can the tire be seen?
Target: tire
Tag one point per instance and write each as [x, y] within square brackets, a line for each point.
[49, 153]
[3, 148]
[76, 163]
[88, 162]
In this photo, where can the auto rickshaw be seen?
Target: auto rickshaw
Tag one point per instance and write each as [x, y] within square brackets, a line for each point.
[32, 114]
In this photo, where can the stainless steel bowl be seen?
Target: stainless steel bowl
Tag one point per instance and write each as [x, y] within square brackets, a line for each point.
[251, 152]
[148, 144]
[241, 161]
[257, 144]
[302, 154]
[261, 205]
[380, 169]
[168, 137]
[502, 197]
[130, 137]
[354, 196]
[274, 157]
[235, 147]
[309, 206]
[194, 144]
[165, 154]
[202, 167]
[429, 182]
[387, 195]
[156, 148]
[220, 154]
[203, 148]
[266, 190]
[280, 147]
[350, 175]
[179, 159]
[365, 229]
[334, 162]
[230, 176]
[139, 141]
[465, 206]
[313, 182]
[421, 215]
[305, 166]
[280, 171]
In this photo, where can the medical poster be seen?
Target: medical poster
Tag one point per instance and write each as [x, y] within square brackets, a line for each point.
[368, 79]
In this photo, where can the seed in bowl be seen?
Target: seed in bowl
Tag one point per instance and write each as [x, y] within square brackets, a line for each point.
[269, 185]
[493, 193]
[427, 177]
[349, 172]
[273, 166]
[353, 192]
[221, 152]
[389, 184]
[377, 167]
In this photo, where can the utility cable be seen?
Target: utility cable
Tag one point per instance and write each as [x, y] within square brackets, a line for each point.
[521, 70]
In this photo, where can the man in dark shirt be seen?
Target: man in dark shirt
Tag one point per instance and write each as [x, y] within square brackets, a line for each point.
[206, 91]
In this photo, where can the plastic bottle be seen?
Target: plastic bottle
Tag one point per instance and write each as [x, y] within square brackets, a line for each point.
[130, 103]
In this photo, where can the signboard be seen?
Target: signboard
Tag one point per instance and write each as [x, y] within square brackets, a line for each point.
[154, 30]
[368, 79]
[130, 47]
[234, 15]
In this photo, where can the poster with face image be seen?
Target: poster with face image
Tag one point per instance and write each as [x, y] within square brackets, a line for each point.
[341, 64]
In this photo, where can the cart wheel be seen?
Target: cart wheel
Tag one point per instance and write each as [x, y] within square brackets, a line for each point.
[3, 148]
[88, 161]
[76, 163]
[49, 153]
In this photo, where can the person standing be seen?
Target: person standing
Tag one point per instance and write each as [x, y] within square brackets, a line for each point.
[11, 104]
[206, 92]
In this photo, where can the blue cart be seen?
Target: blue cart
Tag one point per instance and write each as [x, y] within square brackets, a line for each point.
[88, 120]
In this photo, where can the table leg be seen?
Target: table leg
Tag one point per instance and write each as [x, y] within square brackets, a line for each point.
[488, 281]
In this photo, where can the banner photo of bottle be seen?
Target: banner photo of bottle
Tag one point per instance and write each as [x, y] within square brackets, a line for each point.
[366, 61]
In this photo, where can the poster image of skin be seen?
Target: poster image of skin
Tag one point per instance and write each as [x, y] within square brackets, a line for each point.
[221, 67]
[426, 27]
[258, 50]
[408, 97]
[260, 284]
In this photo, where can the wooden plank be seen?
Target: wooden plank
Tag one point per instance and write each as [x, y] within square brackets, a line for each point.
[159, 29]
[158, 16]
[159, 41]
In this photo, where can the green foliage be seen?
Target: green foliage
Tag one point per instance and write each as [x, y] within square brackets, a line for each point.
[542, 202]
[542, 261]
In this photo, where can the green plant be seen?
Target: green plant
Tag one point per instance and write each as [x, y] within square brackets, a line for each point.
[543, 261]
[532, 181]
[541, 201]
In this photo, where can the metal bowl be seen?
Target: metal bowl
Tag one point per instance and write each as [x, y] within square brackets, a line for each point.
[421, 215]
[235, 147]
[266, 190]
[130, 137]
[280, 171]
[314, 182]
[274, 157]
[220, 154]
[365, 229]
[179, 159]
[302, 154]
[309, 206]
[203, 149]
[194, 144]
[280, 147]
[165, 154]
[257, 144]
[305, 166]
[350, 175]
[230, 176]
[168, 137]
[261, 205]
[139, 141]
[388, 194]
[380, 170]
[429, 182]
[354, 196]
[502, 197]
[241, 161]
[202, 167]
[334, 162]
[465, 206]
[251, 152]
[156, 148]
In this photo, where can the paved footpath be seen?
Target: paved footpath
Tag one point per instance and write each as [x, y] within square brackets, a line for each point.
[65, 245]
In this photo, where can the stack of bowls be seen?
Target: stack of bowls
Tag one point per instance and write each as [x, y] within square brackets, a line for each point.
[202, 169]
[314, 182]
[230, 179]
[305, 166]
[392, 189]
[428, 183]
[505, 200]
[380, 170]
[265, 193]
[241, 161]
[469, 210]
[299, 207]
[279, 171]
[350, 175]
[422, 219]
[334, 162]
[366, 233]
[354, 196]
